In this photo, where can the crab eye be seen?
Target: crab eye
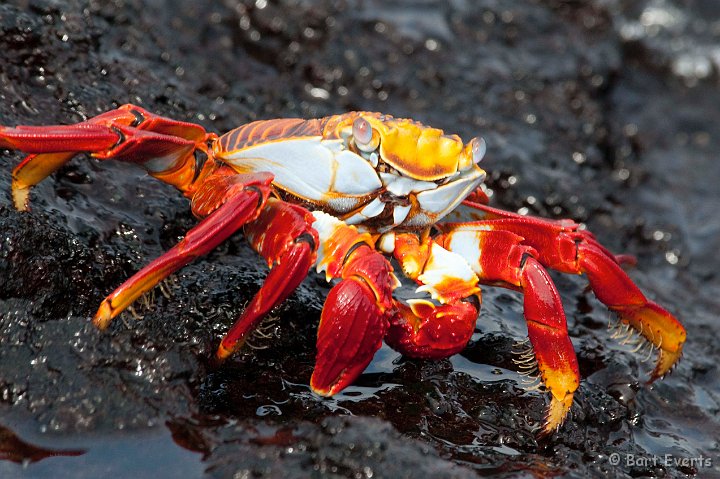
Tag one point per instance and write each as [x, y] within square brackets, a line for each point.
[478, 149]
[362, 132]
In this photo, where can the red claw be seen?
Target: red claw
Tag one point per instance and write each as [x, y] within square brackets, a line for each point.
[351, 330]
[427, 331]
[357, 310]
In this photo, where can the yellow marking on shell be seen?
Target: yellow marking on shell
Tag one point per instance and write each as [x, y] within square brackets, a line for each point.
[416, 150]
[419, 152]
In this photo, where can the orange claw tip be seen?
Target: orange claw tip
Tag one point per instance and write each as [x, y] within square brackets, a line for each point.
[666, 361]
[103, 316]
[223, 352]
[326, 390]
[556, 414]
[21, 198]
[662, 329]
[4, 139]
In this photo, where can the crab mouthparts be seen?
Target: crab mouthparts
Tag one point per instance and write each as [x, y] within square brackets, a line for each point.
[410, 202]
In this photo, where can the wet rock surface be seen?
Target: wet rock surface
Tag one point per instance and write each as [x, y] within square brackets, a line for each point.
[604, 112]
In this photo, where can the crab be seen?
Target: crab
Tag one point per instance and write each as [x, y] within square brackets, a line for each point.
[345, 194]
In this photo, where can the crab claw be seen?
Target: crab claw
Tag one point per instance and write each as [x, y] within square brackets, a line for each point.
[423, 330]
[357, 310]
[352, 327]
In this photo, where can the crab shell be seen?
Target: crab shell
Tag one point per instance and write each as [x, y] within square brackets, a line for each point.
[408, 177]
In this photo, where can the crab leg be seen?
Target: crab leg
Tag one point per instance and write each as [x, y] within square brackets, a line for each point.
[163, 146]
[617, 291]
[356, 314]
[500, 258]
[562, 246]
[283, 235]
[229, 200]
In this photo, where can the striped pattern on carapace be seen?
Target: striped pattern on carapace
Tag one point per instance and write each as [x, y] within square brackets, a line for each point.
[264, 131]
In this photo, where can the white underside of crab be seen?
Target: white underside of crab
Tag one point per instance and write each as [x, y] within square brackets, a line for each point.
[320, 171]
[326, 173]
[326, 226]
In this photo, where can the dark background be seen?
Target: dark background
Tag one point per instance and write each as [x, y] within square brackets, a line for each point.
[606, 112]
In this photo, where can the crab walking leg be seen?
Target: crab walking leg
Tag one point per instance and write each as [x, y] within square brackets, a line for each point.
[162, 145]
[482, 212]
[283, 235]
[229, 201]
[617, 291]
[499, 257]
[357, 310]
[562, 246]
[421, 329]
[36, 167]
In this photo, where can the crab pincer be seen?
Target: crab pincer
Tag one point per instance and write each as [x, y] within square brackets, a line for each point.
[356, 314]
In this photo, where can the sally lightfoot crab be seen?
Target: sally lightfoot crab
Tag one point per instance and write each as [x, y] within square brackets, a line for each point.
[343, 194]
